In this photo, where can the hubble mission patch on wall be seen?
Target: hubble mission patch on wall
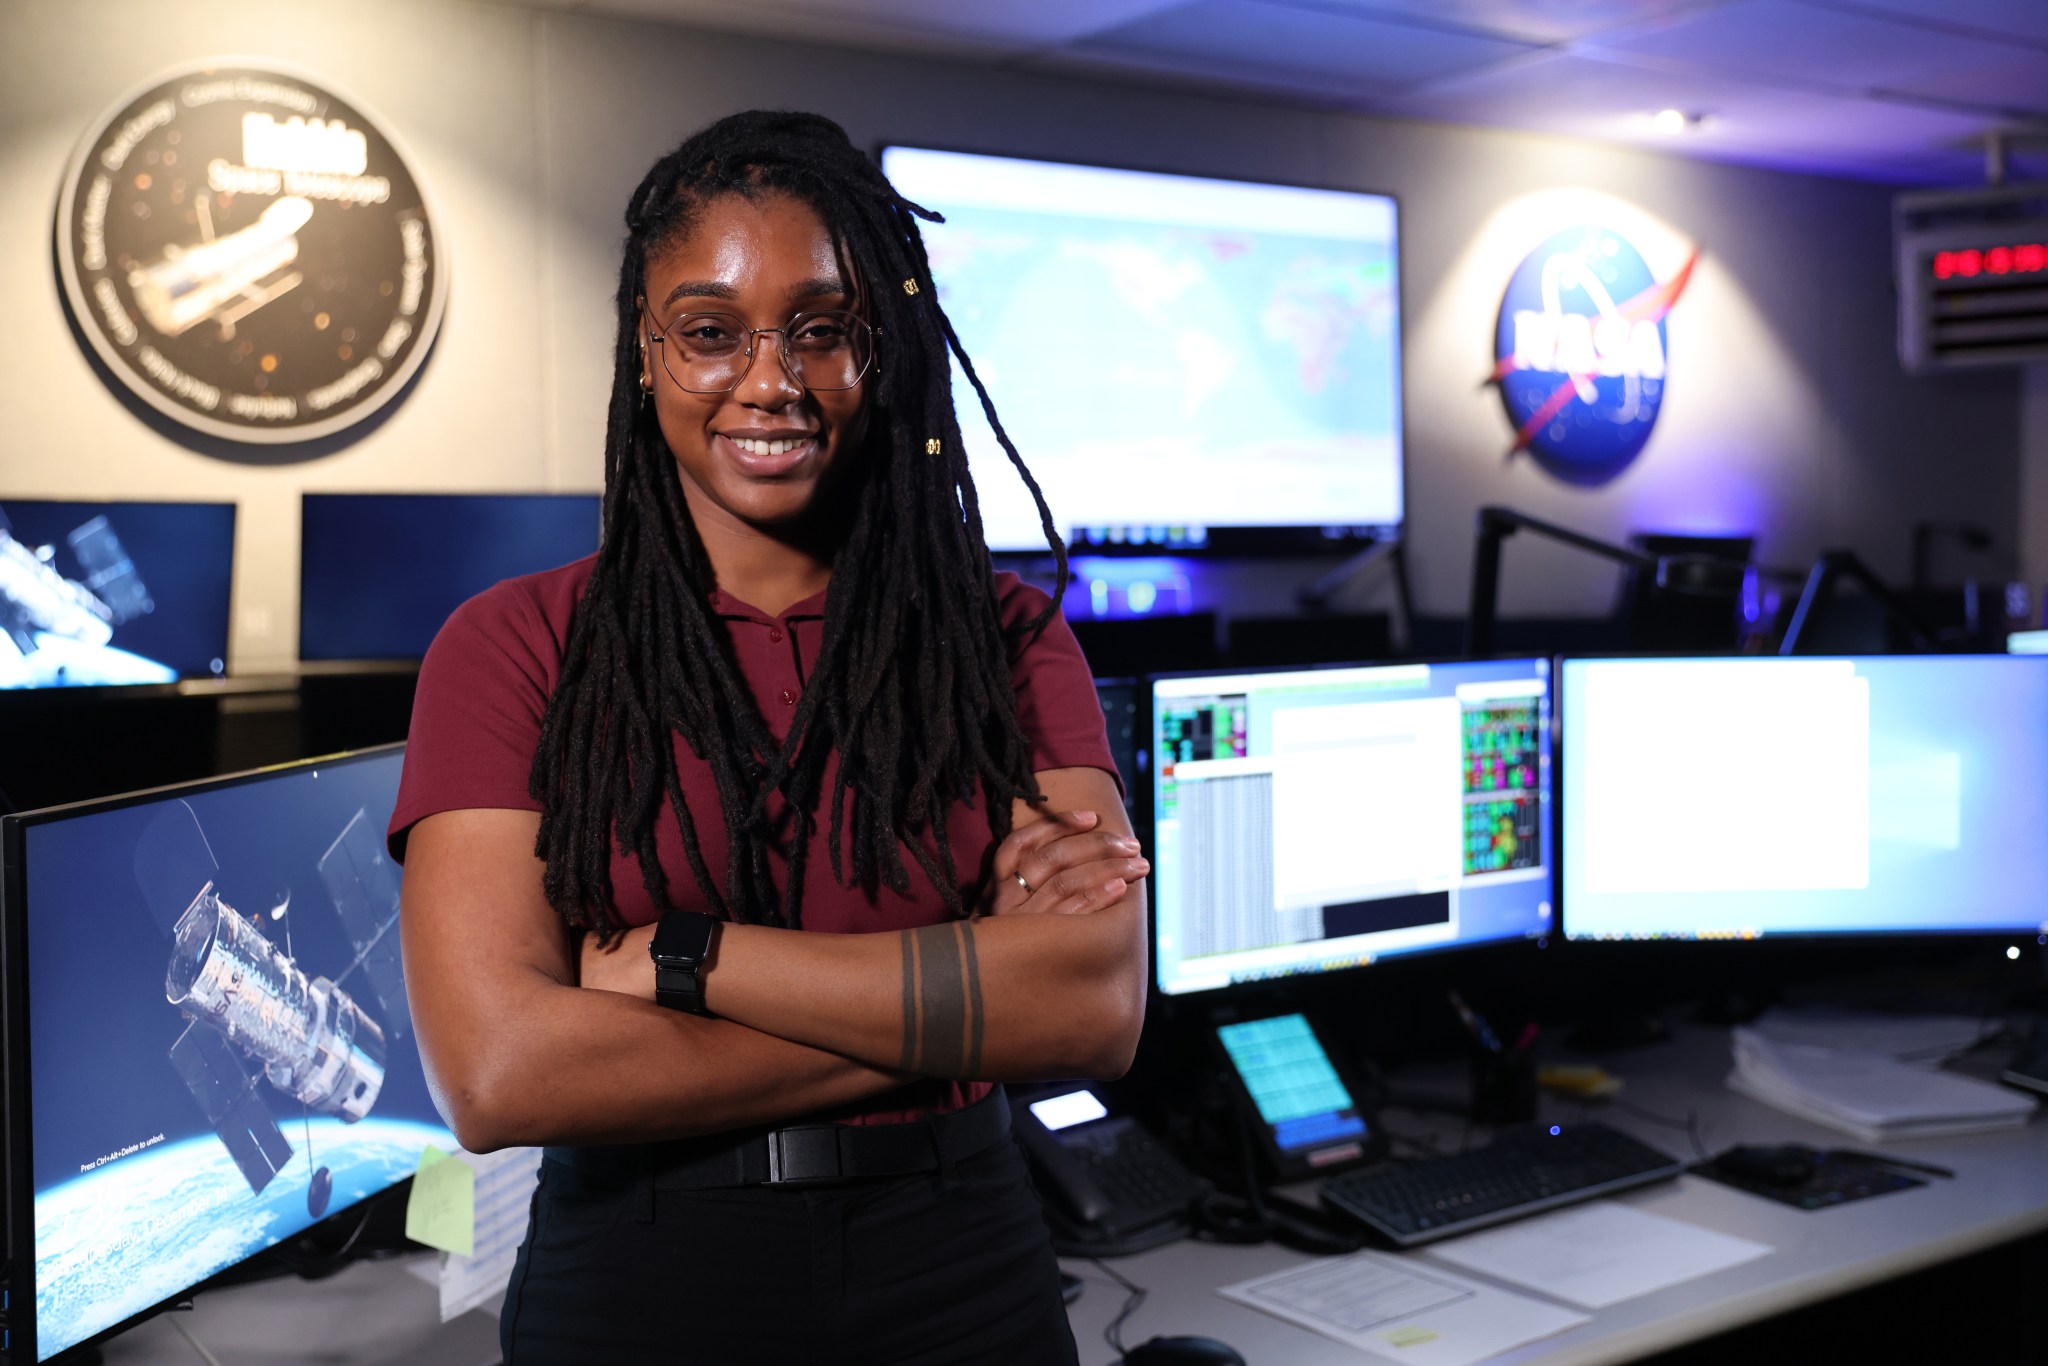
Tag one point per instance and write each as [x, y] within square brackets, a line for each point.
[250, 255]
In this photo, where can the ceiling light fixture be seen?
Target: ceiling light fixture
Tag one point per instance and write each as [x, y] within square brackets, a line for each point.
[1670, 122]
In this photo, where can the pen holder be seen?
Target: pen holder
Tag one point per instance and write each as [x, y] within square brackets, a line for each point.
[1503, 1087]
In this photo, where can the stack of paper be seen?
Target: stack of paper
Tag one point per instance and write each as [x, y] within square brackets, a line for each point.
[1878, 1099]
[1925, 1039]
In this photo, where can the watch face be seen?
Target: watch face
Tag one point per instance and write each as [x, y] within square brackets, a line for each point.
[249, 254]
[683, 934]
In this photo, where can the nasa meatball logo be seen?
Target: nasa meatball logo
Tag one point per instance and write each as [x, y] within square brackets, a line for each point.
[249, 254]
[1581, 352]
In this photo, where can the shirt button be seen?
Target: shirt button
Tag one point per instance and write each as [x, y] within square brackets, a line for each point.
[775, 634]
[788, 698]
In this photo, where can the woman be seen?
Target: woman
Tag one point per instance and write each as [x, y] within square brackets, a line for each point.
[789, 716]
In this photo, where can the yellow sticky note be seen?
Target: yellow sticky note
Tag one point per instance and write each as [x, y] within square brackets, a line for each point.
[1411, 1336]
[442, 1209]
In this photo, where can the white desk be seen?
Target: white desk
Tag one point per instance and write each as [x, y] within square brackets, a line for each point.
[372, 1314]
[2000, 1193]
[381, 1314]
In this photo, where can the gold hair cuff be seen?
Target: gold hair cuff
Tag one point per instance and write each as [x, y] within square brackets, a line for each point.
[910, 286]
[932, 447]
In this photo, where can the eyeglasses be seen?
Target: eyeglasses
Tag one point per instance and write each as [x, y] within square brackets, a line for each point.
[710, 353]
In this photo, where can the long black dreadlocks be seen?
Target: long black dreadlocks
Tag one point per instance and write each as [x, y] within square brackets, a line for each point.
[911, 687]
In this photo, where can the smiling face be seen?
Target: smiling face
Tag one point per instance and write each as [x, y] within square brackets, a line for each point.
[752, 460]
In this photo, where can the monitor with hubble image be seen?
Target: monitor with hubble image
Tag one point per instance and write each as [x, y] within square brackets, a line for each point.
[380, 572]
[1312, 820]
[100, 594]
[1740, 798]
[207, 1036]
[1148, 339]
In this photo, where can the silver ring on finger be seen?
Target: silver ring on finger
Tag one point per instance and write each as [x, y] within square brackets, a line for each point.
[1022, 883]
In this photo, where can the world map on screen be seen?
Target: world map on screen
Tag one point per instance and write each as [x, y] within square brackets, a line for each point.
[1163, 375]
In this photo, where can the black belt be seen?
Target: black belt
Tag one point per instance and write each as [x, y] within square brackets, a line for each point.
[798, 1153]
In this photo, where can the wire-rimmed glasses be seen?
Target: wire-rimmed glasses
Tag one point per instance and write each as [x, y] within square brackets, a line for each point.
[710, 353]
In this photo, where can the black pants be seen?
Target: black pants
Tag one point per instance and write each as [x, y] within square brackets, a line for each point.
[951, 1266]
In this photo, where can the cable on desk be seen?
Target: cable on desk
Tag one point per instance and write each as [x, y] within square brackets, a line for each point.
[1114, 1333]
[209, 1358]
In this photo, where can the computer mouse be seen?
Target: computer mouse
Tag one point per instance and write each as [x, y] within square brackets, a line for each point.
[1183, 1351]
[1781, 1164]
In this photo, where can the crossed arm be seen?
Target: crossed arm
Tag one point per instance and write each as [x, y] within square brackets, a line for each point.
[521, 1050]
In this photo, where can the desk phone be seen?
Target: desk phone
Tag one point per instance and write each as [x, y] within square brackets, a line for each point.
[1108, 1185]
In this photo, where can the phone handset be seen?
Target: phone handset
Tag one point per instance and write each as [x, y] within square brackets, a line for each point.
[1060, 1174]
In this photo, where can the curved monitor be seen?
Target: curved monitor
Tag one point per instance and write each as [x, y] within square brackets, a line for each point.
[1751, 798]
[1148, 338]
[208, 1045]
[1312, 820]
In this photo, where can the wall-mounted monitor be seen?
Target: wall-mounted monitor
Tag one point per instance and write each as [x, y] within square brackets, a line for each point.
[1185, 363]
[113, 593]
[380, 572]
[1754, 798]
[1313, 820]
[207, 1040]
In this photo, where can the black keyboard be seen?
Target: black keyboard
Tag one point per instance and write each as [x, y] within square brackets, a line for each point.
[1523, 1171]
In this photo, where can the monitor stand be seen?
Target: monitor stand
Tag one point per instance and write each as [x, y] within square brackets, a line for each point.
[1617, 1033]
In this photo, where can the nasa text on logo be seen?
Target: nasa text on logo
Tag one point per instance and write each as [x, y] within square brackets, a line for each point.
[249, 255]
[1580, 352]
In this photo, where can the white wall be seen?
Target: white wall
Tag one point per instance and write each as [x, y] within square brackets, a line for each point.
[1787, 413]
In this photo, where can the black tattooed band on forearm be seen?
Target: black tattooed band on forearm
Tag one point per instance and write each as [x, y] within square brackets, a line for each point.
[941, 1001]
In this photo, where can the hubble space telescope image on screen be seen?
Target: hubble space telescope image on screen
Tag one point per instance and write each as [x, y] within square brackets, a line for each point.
[220, 1048]
[111, 593]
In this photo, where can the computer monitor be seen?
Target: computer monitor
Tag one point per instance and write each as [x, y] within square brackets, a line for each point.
[1311, 820]
[113, 593]
[207, 1042]
[1753, 798]
[380, 572]
[1122, 725]
[1150, 338]
[2027, 642]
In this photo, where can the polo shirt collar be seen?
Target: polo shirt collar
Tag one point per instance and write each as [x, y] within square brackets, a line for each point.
[724, 604]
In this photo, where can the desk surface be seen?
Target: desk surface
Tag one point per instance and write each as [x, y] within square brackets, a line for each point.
[2000, 1193]
[384, 1314]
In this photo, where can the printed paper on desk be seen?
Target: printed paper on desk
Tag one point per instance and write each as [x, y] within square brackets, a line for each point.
[1401, 1311]
[504, 1198]
[1597, 1254]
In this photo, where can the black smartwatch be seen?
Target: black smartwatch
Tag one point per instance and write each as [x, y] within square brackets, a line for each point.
[681, 944]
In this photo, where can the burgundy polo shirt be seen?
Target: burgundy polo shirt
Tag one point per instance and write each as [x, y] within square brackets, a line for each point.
[484, 687]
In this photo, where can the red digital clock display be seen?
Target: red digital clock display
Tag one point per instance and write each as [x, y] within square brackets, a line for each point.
[2024, 258]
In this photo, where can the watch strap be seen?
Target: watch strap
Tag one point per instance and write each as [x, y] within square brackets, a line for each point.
[679, 987]
[682, 943]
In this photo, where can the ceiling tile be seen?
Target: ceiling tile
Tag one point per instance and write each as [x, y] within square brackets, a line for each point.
[913, 25]
[1040, 21]
[1368, 56]
[2017, 80]
[1587, 96]
[1538, 21]
[1806, 45]
[1192, 75]
[2025, 19]
[1560, 90]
